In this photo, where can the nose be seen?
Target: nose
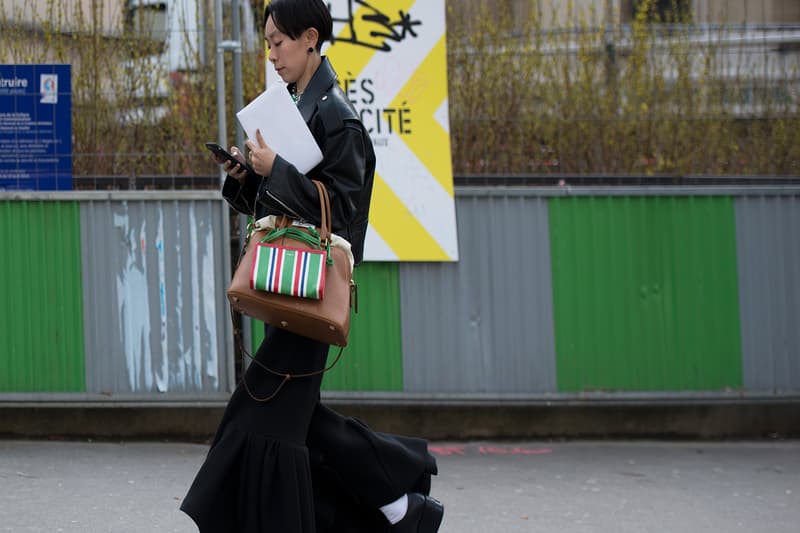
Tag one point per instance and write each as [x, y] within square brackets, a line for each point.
[271, 55]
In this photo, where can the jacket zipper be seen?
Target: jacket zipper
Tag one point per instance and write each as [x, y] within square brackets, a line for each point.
[285, 207]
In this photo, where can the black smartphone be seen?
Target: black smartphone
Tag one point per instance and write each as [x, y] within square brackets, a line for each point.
[222, 153]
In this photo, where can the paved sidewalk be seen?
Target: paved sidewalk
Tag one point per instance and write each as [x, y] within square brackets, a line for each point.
[569, 487]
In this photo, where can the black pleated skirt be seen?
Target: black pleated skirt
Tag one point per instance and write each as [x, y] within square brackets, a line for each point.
[257, 475]
[290, 465]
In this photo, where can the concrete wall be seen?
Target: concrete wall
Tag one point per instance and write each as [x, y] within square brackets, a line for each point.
[747, 11]
[65, 15]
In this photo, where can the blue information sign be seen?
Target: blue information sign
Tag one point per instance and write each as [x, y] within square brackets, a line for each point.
[35, 127]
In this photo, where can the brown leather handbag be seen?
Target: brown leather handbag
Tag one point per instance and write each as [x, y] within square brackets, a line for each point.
[325, 317]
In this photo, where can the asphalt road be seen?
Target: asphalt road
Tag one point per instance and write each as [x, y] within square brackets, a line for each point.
[569, 487]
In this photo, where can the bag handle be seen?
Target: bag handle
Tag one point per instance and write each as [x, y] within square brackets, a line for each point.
[325, 212]
[326, 221]
[325, 227]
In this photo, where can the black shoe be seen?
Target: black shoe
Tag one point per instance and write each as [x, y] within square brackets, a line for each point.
[423, 516]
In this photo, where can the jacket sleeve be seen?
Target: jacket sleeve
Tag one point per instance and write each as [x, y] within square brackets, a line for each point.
[241, 197]
[342, 171]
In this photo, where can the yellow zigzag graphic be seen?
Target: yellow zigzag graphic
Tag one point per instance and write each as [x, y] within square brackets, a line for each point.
[425, 92]
[399, 228]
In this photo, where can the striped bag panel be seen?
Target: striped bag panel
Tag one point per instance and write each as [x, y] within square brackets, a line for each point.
[289, 271]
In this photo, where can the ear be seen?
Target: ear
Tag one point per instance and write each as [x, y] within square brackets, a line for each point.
[311, 37]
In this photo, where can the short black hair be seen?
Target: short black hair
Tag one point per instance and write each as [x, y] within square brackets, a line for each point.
[293, 17]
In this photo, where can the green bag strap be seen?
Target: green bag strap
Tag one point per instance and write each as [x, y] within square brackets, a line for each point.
[309, 236]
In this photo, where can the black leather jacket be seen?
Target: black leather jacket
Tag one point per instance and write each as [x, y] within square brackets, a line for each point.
[347, 168]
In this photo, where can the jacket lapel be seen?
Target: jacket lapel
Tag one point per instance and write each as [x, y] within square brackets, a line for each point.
[321, 81]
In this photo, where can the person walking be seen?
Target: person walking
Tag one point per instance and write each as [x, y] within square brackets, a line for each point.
[290, 464]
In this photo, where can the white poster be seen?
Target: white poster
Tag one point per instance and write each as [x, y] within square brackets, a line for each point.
[391, 59]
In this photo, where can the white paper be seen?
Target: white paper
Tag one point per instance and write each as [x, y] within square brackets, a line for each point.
[282, 127]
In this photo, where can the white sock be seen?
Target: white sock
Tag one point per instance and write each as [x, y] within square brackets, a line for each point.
[396, 510]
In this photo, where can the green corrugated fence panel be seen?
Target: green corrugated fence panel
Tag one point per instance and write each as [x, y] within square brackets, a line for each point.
[645, 293]
[41, 312]
[372, 360]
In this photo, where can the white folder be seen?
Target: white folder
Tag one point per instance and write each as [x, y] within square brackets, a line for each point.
[282, 127]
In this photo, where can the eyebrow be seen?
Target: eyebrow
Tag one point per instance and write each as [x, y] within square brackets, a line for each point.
[271, 35]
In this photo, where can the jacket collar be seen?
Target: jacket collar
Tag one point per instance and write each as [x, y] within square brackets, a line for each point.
[320, 82]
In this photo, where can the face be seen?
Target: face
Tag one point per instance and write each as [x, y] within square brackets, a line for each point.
[289, 56]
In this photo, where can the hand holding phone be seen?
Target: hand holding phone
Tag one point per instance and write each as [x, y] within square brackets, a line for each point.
[224, 155]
